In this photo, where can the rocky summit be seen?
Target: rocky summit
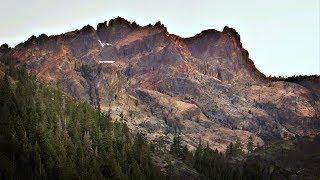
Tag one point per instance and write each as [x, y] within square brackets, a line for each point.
[206, 88]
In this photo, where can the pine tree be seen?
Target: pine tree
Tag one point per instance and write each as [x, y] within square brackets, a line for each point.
[48, 136]
[238, 148]
[87, 143]
[250, 144]
[37, 160]
[136, 171]
[230, 150]
[176, 147]
[235, 149]
[198, 156]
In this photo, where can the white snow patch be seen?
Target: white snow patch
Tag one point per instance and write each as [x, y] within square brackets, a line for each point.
[103, 44]
[108, 62]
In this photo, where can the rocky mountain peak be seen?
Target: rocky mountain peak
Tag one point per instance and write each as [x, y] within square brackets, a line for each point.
[231, 32]
[159, 25]
[88, 29]
[203, 87]
[43, 36]
[4, 48]
[114, 30]
[118, 21]
[102, 25]
[235, 36]
[30, 40]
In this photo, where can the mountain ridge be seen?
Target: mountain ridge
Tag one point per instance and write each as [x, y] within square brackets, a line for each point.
[43, 36]
[202, 87]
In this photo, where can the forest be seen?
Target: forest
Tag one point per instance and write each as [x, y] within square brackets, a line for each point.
[47, 134]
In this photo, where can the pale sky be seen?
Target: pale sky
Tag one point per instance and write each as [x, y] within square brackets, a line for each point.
[282, 36]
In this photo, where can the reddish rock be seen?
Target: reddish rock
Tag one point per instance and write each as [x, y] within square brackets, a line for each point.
[204, 86]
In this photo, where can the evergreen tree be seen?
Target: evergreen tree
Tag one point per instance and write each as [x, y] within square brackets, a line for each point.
[238, 148]
[176, 147]
[235, 149]
[230, 150]
[45, 134]
[250, 144]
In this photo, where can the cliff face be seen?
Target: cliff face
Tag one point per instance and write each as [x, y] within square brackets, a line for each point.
[204, 87]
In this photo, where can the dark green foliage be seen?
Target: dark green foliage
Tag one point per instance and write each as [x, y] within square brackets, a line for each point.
[296, 156]
[214, 165]
[176, 147]
[250, 144]
[179, 150]
[45, 134]
[234, 149]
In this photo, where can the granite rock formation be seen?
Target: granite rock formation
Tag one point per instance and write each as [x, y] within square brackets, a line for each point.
[204, 87]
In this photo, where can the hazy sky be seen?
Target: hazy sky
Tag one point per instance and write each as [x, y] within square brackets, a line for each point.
[282, 36]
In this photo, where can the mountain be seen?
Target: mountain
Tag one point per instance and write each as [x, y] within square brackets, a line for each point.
[205, 88]
[46, 134]
[299, 157]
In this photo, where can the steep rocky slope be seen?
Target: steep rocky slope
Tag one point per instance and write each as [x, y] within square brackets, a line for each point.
[204, 87]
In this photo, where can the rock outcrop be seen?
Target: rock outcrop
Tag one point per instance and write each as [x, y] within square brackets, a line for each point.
[205, 87]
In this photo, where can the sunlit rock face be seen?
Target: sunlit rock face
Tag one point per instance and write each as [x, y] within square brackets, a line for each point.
[204, 87]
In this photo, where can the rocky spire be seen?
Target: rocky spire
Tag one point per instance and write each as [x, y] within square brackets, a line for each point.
[233, 33]
[87, 29]
[4, 48]
[119, 21]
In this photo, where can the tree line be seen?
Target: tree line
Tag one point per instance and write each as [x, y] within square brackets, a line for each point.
[215, 165]
[45, 134]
